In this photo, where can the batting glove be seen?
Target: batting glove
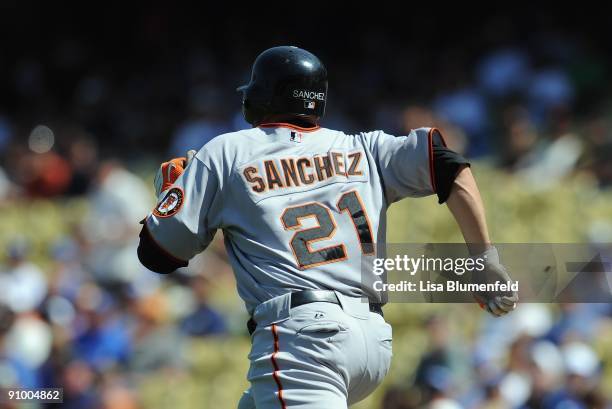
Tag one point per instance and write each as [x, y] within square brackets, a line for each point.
[169, 171]
[496, 303]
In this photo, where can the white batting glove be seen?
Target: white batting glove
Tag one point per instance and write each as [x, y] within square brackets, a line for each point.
[495, 303]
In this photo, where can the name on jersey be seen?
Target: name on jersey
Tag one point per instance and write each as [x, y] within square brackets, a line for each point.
[301, 93]
[273, 174]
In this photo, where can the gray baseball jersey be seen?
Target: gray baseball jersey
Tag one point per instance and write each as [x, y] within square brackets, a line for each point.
[298, 206]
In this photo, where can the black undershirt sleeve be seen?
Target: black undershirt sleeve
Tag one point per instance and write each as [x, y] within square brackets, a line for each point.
[153, 257]
[446, 166]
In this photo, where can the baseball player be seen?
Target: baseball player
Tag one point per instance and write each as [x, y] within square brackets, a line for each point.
[299, 206]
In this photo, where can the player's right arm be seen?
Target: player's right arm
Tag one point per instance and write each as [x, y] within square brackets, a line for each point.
[184, 221]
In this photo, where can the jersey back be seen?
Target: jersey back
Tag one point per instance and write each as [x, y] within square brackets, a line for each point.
[298, 207]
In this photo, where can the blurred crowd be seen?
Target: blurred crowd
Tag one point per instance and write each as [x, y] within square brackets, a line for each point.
[95, 320]
[80, 117]
[531, 359]
[536, 104]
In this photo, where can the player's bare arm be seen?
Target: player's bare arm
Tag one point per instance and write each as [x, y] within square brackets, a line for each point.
[468, 210]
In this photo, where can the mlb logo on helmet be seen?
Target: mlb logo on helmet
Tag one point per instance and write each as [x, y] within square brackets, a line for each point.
[309, 104]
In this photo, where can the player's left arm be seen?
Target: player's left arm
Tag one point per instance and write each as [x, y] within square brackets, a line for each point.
[467, 208]
[455, 185]
[420, 164]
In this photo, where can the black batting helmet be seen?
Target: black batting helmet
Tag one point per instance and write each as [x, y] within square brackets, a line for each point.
[286, 81]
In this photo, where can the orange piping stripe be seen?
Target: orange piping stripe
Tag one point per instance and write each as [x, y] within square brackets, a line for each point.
[286, 125]
[276, 369]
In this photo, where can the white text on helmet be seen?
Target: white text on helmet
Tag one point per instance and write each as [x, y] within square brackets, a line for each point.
[299, 93]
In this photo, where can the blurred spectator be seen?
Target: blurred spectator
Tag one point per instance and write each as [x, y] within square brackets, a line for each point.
[118, 202]
[6, 133]
[575, 322]
[397, 398]
[204, 320]
[205, 123]
[23, 283]
[5, 185]
[492, 397]
[549, 89]
[415, 116]
[44, 174]
[515, 384]
[156, 344]
[79, 384]
[504, 72]
[102, 338]
[438, 388]
[581, 366]
[603, 166]
[467, 109]
[441, 354]
[14, 372]
[27, 345]
[83, 157]
[118, 394]
[554, 159]
[518, 138]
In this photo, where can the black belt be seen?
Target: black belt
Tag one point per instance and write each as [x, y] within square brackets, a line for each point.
[309, 296]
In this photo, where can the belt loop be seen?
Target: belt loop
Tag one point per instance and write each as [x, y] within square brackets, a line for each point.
[273, 311]
[355, 307]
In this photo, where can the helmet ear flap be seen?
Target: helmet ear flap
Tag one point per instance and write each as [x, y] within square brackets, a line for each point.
[253, 112]
[247, 113]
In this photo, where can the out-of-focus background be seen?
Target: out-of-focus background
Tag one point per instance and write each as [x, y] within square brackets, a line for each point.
[93, 99]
